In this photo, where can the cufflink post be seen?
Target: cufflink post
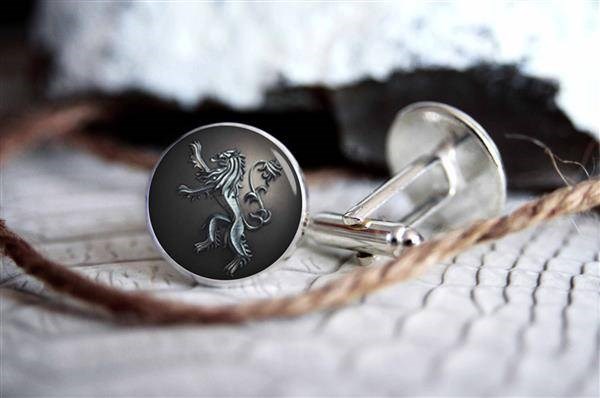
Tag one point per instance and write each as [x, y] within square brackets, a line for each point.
[448, 167]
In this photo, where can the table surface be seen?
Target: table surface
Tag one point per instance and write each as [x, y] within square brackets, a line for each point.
[519, 316]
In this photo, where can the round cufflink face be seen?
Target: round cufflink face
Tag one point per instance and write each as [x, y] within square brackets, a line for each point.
[225, 202]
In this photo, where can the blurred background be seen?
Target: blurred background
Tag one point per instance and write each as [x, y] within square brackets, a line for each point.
[325, 78]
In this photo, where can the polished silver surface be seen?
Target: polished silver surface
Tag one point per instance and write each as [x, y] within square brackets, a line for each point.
[359, 213]
[448, 167]
[465, 180]
[440, 158]
[375, 237]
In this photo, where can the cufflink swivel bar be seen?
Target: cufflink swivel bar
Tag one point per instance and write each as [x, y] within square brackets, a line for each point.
[448, 167]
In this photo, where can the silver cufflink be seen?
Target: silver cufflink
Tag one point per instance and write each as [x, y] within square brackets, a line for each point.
[445, 163]
[227, 201]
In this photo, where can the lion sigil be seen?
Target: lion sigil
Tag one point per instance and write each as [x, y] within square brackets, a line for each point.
[223, 182]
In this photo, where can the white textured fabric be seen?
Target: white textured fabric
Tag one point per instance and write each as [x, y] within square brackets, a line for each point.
[236, 51]
[519, 316]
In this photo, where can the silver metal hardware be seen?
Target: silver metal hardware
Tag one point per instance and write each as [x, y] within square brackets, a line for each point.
[440, 159]
[375, 236]
[444, 162]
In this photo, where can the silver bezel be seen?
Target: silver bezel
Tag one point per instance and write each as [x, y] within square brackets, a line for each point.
[300, 229]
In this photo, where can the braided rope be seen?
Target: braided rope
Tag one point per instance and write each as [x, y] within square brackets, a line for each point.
[147, 308]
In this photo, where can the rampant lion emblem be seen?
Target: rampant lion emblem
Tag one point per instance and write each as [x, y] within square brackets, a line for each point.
[223, 182]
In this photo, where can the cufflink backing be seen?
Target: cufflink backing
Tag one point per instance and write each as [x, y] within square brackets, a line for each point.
[448, 167]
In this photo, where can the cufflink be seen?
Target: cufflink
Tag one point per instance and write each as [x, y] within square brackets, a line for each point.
[227, 201]
[447, 166]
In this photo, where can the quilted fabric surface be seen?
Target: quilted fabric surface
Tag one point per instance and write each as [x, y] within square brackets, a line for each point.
[518, 316]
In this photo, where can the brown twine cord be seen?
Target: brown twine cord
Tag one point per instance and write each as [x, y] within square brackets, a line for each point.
[359, 282]
[26, 131]
[147, 308]
[112, 151]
